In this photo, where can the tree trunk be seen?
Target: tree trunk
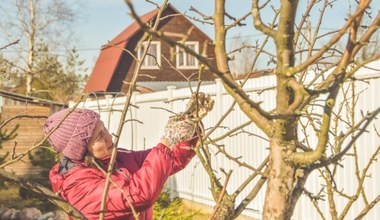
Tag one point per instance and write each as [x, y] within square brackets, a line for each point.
[225, 210]
[31, 44]
[281, 180]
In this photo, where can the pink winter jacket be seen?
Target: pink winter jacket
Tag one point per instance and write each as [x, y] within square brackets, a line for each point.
[141, 174]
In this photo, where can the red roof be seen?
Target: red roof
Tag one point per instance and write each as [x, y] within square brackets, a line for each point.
[109, 56]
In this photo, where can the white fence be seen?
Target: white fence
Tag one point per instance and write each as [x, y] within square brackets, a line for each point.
[193, 182]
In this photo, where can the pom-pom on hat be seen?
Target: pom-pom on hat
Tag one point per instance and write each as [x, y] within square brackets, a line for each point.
[73, 134]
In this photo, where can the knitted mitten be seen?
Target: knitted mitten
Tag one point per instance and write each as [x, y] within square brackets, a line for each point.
[182, 127]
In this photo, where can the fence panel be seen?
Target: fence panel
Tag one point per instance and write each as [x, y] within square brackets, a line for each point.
[145, 125]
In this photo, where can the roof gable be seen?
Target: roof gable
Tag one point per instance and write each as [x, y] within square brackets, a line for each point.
[110, 57]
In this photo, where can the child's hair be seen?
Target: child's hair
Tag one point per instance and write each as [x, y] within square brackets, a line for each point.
[93, 162]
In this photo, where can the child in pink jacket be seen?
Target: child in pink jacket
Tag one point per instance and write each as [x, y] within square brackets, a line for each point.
[84, 142]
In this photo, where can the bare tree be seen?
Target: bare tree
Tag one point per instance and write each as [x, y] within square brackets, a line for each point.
[241, 55]
[311, 69]
[34, 22]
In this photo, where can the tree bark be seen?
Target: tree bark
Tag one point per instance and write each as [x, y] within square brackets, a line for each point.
[225, 210]
[31, 43]
[281, 178]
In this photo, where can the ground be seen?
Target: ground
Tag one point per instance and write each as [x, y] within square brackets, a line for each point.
[10, 198]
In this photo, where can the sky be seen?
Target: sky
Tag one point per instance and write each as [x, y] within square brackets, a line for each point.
[102, 20]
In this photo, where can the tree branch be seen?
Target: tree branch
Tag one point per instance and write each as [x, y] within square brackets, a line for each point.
[364, 124]
[358, 14]
[123, 114]
[37, 145]
[255, 190]
[366, 209]
[222, 193]
[250, 108]
[257, 22]
[10, 44]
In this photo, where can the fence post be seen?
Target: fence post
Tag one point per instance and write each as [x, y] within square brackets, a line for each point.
[71, 104]
[108, 108]
[219, 111]
[133, 112]
[171, 96]
[171, 180]
[218, 96]
[86, 103]
[108, 99]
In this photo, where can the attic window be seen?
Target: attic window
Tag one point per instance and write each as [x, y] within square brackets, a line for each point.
[185, 60]
[153, 57]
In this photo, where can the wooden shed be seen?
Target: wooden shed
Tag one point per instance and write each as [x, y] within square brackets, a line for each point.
[29, 114]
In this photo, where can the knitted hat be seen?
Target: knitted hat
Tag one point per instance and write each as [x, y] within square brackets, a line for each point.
[73, 134]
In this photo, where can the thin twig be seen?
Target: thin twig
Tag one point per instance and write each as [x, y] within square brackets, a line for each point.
[40, 143]
[21, 115]
[10, 44]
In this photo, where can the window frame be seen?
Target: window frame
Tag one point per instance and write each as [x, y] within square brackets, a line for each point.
[157, 58]
[185, 66]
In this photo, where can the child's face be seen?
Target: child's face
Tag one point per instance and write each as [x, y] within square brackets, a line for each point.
[100, 144]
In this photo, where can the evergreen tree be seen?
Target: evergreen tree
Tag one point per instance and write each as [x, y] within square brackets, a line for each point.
[57, 81]
[6, 136]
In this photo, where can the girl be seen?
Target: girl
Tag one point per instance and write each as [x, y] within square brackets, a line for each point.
[138, 176]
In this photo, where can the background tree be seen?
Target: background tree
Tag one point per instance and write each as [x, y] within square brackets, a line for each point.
[35, 22]
[56, 81]
[241, 54]
[9, 75]
[311, 70]
[6, 135]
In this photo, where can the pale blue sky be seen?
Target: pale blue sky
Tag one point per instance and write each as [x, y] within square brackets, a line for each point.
[103, 20]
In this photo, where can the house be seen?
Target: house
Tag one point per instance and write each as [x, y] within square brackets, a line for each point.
[29, 129]
[115, 65]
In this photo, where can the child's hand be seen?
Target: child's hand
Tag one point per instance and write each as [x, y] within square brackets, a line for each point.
[182, 127]
[178, 130]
